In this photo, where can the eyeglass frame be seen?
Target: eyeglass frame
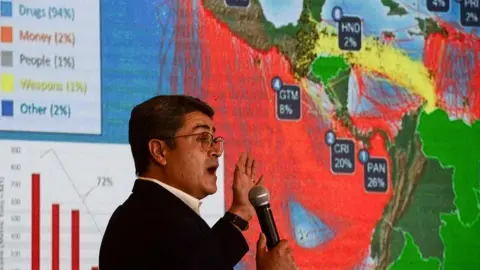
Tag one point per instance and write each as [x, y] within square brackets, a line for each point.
[212, 142]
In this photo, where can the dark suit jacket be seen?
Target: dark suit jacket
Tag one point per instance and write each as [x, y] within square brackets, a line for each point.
[153, 229]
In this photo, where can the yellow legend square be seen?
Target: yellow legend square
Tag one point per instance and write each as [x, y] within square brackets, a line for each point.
[7, 82]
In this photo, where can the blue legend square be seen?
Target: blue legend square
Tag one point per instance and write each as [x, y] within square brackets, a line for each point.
[7, 107]
[6, 9]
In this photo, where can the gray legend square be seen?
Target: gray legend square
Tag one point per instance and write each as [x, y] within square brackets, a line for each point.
[7, 59]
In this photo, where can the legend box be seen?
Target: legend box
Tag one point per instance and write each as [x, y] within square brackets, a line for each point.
[7, 83]
[6, 34]
[7, 107]
[50, 66]
[6, 58]
[6, 9]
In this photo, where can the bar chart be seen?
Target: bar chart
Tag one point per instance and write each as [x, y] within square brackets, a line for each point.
[56, 200]
[55, 231]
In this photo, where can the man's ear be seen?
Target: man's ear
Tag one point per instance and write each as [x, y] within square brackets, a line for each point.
[158, 151]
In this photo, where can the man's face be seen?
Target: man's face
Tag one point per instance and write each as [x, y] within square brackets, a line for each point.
[192, 166]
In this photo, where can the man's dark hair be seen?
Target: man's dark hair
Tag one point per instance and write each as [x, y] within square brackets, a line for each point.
[159, 117]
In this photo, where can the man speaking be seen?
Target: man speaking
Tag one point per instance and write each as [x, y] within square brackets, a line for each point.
[176, 153]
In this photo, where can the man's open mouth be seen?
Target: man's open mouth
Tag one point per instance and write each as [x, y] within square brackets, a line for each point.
[212, 169]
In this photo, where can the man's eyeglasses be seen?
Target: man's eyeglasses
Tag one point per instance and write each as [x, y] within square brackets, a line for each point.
[207, 141]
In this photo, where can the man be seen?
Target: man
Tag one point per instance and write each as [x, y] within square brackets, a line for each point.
[159, 227]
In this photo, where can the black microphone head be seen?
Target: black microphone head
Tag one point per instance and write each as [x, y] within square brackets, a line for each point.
[259, 196]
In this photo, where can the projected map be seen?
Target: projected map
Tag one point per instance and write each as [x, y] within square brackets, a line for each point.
[363, 116]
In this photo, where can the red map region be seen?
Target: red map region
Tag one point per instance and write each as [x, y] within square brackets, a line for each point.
[293, 156]
[389, 103]
[453, 59]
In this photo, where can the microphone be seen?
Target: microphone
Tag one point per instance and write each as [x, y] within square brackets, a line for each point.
[260, 199]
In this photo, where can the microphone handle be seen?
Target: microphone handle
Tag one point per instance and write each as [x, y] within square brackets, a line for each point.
[267, 223]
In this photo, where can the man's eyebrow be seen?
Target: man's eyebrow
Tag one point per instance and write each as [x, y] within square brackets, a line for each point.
[203, 126]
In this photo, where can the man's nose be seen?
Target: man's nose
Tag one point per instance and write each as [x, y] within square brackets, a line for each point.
[216, 154]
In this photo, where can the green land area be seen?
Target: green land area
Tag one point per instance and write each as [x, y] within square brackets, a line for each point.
[455, 145]
[395, 8]
[316, 7]
[432, 193]
[422, 191]
[411, 258]
[326, 68]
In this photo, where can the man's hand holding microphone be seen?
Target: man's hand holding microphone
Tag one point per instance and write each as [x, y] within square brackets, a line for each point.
[278, 258]
[279, 255]
[250, 197]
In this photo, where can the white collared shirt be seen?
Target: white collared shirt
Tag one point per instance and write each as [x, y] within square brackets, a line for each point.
[188, 199]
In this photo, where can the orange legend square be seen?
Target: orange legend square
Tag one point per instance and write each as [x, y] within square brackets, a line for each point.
[6, 34]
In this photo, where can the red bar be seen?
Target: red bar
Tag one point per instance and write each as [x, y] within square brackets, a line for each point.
[35, 221]
[55, 236]
[94, 268]
[75, 240]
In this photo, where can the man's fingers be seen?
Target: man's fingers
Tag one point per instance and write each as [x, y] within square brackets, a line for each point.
[261, 244]
[260, 181]
[282, 247]
[241, 163]
[242, 159]
[248, 165]
[253, 174]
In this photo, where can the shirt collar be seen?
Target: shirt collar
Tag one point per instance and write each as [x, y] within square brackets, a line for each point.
[188, 199]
